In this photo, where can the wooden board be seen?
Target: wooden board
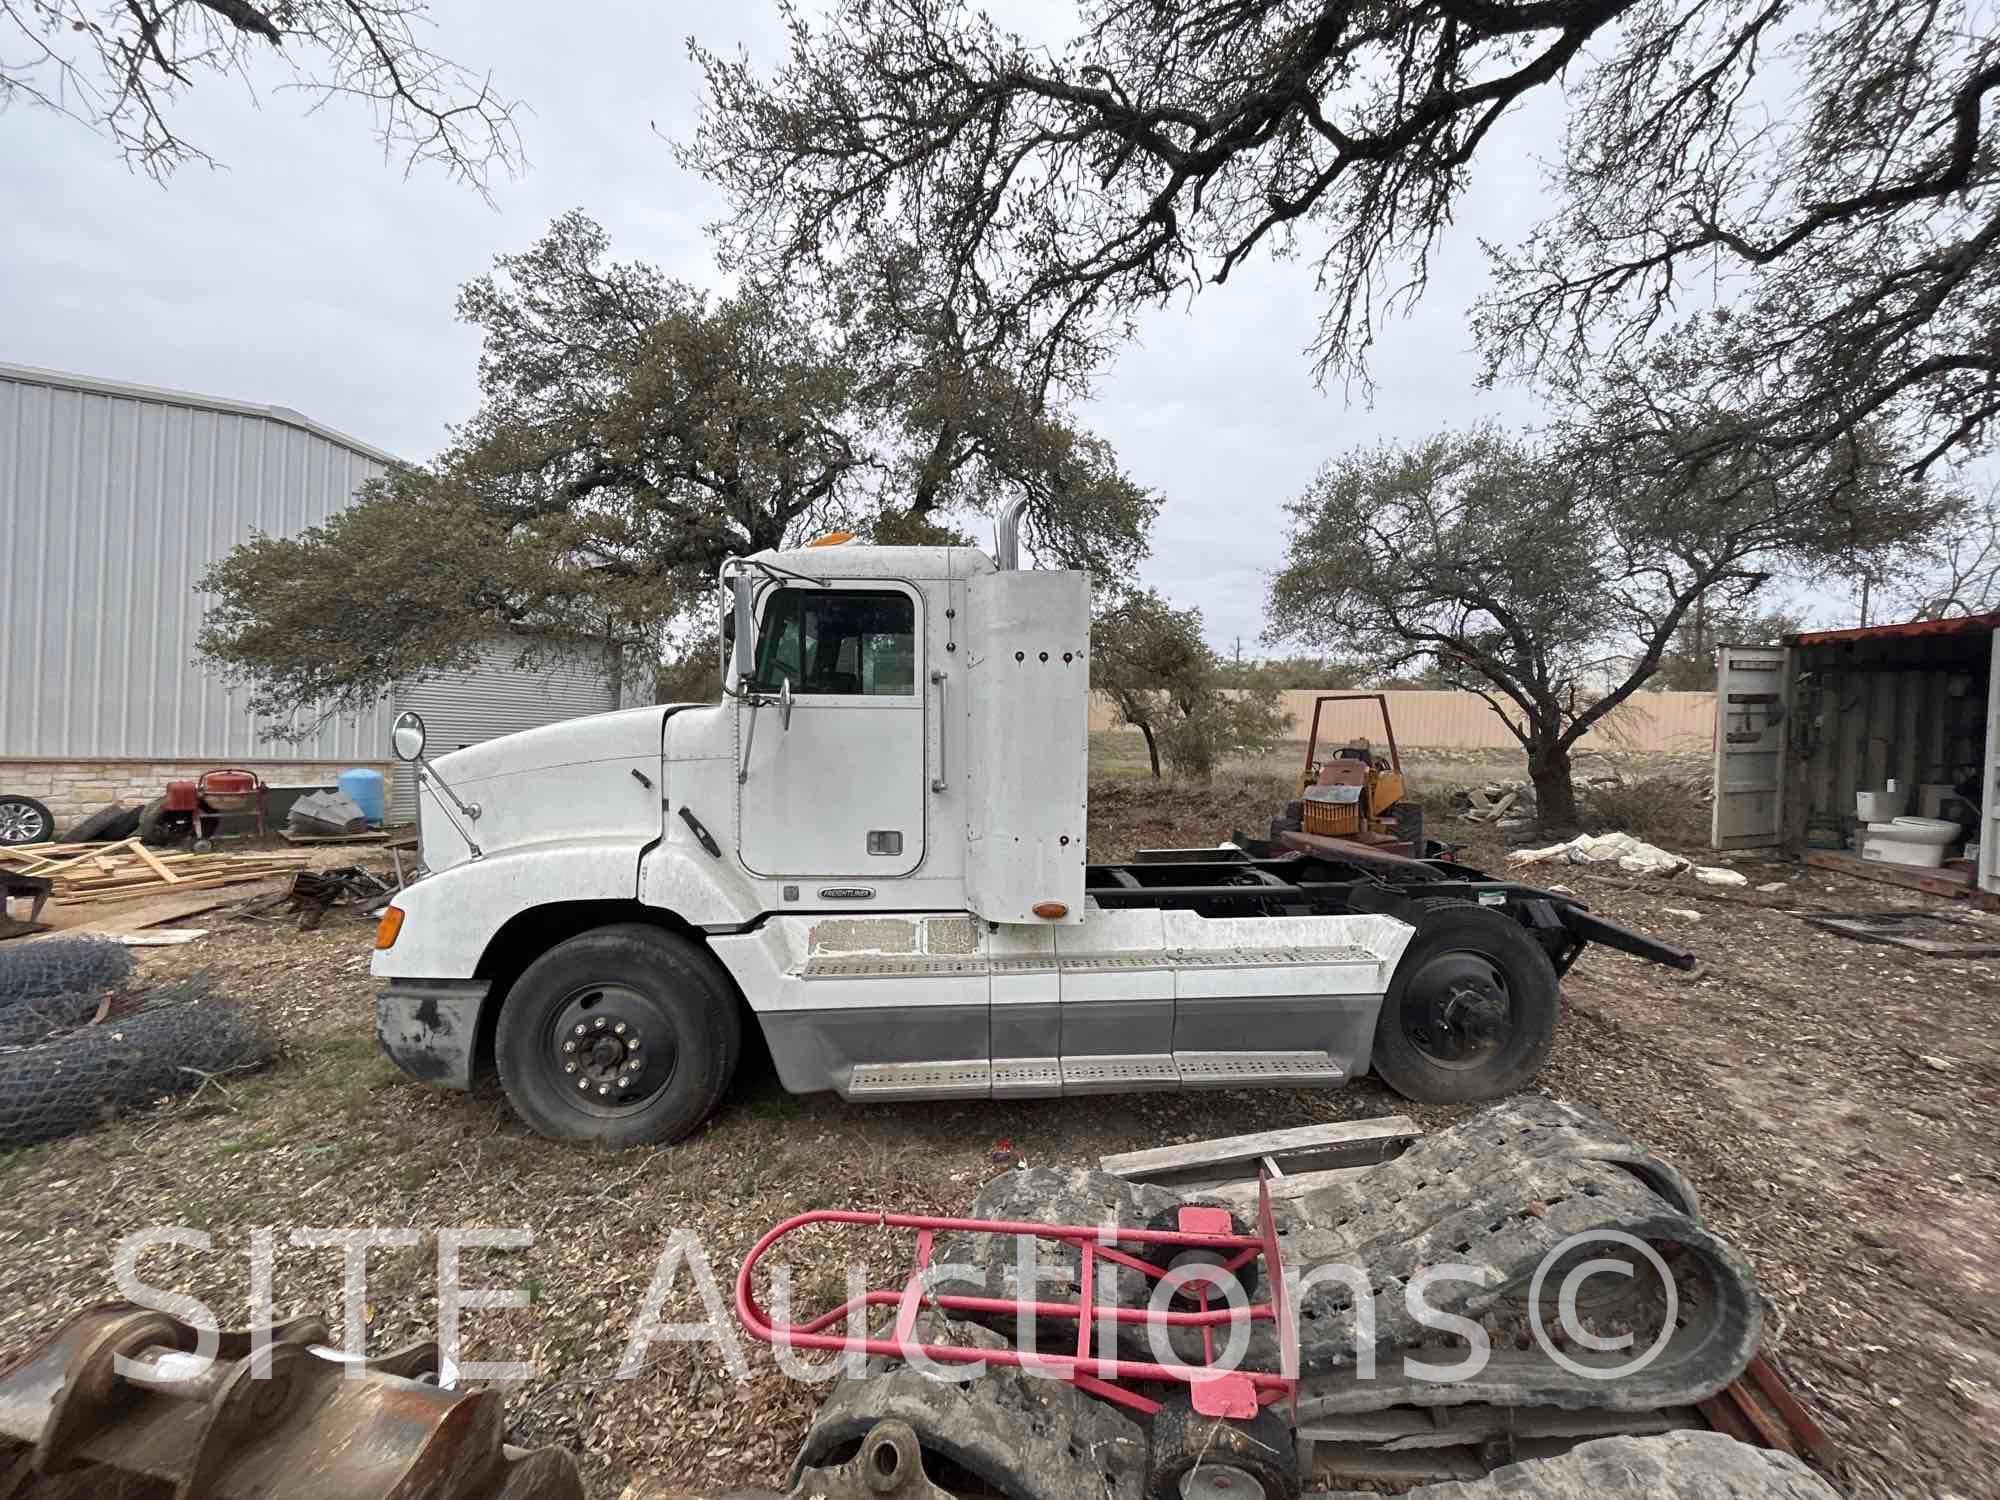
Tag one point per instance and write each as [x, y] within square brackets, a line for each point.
[333, 838]
[1241, 1197]
[1343, 1143]
[1930, 933]
[140, 913]
[1954, 884]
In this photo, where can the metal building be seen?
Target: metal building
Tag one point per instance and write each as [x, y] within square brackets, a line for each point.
[114, 499]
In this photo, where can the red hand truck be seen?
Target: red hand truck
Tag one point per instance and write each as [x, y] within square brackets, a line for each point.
[1101, 1372]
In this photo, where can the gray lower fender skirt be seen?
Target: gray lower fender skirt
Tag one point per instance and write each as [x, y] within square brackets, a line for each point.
[430, 1027]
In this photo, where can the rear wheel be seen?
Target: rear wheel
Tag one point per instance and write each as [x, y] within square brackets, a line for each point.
[624, 1036]
[1471, 1010]
[23, 820]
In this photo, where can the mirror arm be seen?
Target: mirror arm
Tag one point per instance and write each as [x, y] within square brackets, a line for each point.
[749, 738]
[471, 810]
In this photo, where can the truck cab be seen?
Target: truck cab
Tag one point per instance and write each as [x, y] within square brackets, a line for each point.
[873, 849]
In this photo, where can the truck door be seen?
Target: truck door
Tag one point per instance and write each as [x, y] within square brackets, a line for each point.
[1751, 689]
[841, 794]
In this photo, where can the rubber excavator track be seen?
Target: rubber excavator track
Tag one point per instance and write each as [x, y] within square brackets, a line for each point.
[1529, 1183]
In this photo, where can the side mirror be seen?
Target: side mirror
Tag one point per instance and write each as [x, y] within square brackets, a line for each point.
[742, 637]
[407, 735]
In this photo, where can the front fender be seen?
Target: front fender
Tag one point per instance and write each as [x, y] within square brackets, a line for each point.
[450, 917]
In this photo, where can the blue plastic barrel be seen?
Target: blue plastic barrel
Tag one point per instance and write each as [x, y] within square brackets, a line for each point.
[365, 788]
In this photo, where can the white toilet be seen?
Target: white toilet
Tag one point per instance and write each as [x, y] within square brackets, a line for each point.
[1910, 841]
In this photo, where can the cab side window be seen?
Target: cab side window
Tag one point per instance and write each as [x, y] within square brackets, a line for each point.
[838, 642]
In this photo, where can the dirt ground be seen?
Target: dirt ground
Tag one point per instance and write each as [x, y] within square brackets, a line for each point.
[1834, 1103]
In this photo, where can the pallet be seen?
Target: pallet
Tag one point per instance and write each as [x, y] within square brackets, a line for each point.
[1954, 884]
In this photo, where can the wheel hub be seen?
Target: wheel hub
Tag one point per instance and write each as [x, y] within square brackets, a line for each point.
[19, 824]
[1213, 1481]
[611, 1050]
[1458, 1010]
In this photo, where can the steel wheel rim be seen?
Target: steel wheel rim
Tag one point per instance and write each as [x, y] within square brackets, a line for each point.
[1214, 1481]
[21, 824]
[610, 1050]
[1458, 1009]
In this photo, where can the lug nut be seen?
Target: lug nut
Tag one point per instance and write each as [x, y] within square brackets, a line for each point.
[600, 1023]
[619, 1028]
[569, 1067]
[569, 1046]
[583, 1083]
[579, 1028]
[604, 1088]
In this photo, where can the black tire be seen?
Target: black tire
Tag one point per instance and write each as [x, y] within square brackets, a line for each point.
[1410, 827]
[663, 991]
[1246, 1275]
[97, 827]
[1261, 1450]
[23, 820]
[1471, 1010]
[157, 827]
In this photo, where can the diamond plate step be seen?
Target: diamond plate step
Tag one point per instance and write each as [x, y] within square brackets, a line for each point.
[1237, 1070]
[1113, 1074]
[1026, 1077]
[920, 1080]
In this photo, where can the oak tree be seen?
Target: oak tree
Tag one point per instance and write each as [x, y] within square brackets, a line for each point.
[633, 431]
[1553, 577]
[124, 69]
[1812, 194]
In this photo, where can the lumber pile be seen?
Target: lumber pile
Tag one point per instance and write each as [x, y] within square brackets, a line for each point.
[82, 874]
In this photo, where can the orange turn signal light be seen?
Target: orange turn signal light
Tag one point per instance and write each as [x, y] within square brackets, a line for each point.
[1050, 909]
[831, 539]
[389, 928]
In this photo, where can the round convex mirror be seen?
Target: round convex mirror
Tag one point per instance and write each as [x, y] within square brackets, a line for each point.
[408, 735]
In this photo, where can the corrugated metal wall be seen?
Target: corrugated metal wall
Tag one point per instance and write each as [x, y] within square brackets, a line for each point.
[115, 500]
[495, 698]
[1682, 722]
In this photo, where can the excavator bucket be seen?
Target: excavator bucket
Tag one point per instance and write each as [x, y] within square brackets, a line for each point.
[119, 1404]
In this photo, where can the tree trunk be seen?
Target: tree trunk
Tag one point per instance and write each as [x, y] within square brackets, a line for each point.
[1555, 788]
[1152, 748]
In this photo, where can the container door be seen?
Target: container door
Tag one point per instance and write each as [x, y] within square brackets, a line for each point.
[1989, 801]
[1752, 692]
[841, 793]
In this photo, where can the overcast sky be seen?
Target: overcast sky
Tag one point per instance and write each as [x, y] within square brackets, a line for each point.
[311, 274]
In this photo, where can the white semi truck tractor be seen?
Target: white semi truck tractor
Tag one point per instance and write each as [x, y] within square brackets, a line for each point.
[872, 850]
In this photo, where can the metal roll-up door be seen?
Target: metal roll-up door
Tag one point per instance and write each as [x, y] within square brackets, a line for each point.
[496, 698]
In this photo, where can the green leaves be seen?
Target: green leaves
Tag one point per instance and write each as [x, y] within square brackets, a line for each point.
[634, 431]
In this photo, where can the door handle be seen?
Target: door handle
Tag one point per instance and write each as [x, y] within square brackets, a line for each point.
[942, 780]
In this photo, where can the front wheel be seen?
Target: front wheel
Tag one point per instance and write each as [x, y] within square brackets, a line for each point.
[1471, 1010]
[623, 1036]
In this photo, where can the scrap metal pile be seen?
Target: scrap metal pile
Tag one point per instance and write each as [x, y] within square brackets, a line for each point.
[79, 1044]
[117, 1403]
